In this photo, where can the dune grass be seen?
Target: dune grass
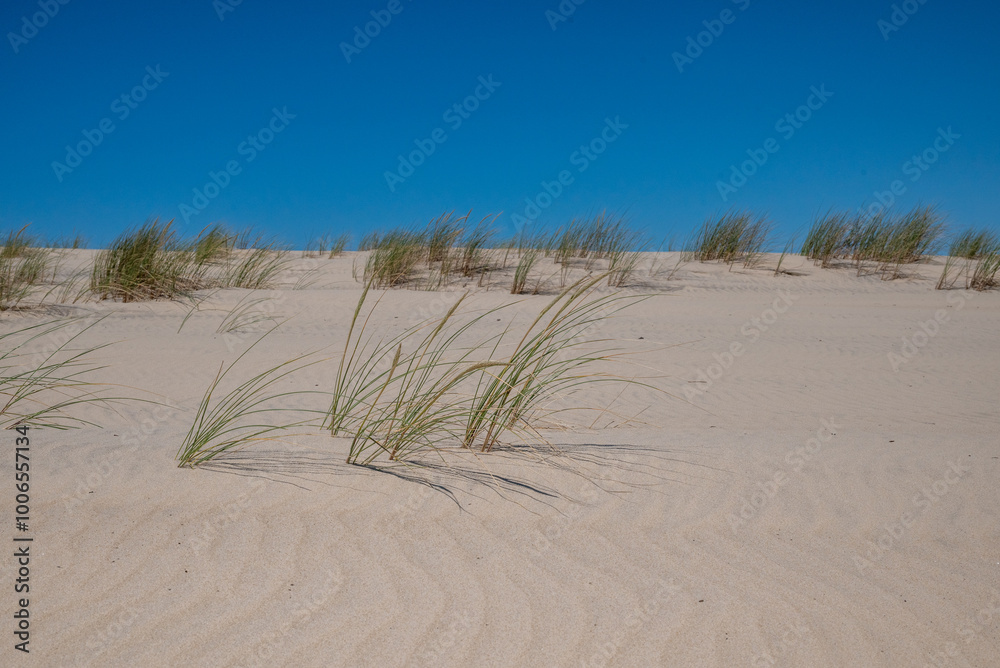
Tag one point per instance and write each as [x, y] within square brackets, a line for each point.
[328, 245]
[451, 247]
[476, 246]
[428, 387]
[23, 264]
[253, 268]
[41, 384]
[550, 359]
[789, 246]
[212, 243]
[880, 243]
[522, 271]
[975, 256]
[410, 405]
[338, 245]
[883, 243]
[145, 263]
[984, 271]
[394, 259]
[152, 262]
[239, 417]
[731, 238]
[623, 249]
[827, 239]
[972, 244]
[243, 315]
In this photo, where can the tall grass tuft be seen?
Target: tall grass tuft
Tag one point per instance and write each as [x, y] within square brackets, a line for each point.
[984, 271]
[972, 244]
[338, 245]
[551, 358]
[23, 264]
[523, 271]
[253, 268]
[442, 235]
[974, 255]
[238, 418]
[476, 243]
[214, 242]
[827, 239]
[40, 387]
[412, 405]
[731, 238]
[879, 243]
[428, 386]
[151, 262]
[146, 263]
[393, 261]
[884, 242]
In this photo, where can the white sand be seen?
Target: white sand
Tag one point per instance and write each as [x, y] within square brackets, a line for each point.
[288, 556]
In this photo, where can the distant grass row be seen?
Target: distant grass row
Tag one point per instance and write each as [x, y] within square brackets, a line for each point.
[884, 243]
[153, 262]
[450, 247]
[149, 262]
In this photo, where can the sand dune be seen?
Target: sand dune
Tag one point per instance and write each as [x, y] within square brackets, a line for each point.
[799, 503]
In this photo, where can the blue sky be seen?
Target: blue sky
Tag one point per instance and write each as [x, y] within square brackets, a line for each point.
[216, 78]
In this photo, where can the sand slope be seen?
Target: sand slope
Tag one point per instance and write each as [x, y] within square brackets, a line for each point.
[799, 503]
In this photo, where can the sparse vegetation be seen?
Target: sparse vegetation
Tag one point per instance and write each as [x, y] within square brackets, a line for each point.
[42, 377]
[23, 264]
[975, 256]
[339, 245]
[236, 419]
[396, 399]
[147, 263]
[523, 271]
[828, 238]
[731, 238]
[881, 243]
[151, 262]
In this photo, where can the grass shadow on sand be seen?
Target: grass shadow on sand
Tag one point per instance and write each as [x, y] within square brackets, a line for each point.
[525, 474]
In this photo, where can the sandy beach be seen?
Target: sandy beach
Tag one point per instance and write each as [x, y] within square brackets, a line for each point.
[787, 497]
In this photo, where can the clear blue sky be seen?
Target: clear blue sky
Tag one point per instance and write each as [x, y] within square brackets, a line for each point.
[325, 171]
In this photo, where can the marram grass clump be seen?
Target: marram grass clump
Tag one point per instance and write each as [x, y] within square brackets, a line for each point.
[152, 262]
[429, 387]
